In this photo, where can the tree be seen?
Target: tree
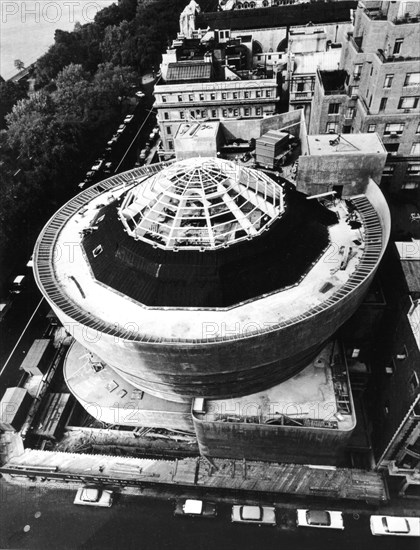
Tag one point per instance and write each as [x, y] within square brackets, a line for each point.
[28, 123]
[10, 93]
[20, 65]
[73, 93]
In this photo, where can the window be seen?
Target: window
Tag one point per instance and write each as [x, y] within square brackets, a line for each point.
[357, 70]
[224, 95]
[413, 170]
[397, 46]
[415, 149]
[235, 95]
[258, 93]
[331, 128]
[247, 111]
[180, 98]
[408, 102]
[354, 90]
[410, 185]
[213, 96]
[224, 113]
[213, 113]
[411, 79]
[388, 80]
[192, 115]
[170, 144]
[235, 112]
[371, 128]
[201, 97]
[350, 112]
[168, 130]
[268, 93]
[300, 87]
[382, 104]
[394, 128]
[181, 115]
[391, 147]
[191, 97]
[388, 170]
[166, 116]
[333, 108]
[164, 99]
[258, 111]
[203, 114]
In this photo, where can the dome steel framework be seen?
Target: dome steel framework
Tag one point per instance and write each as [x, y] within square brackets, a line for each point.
[201, 205]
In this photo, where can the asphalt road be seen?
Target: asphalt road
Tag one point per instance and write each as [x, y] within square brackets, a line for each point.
[140, 523]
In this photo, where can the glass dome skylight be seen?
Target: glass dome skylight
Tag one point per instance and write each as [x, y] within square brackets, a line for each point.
[201, 203]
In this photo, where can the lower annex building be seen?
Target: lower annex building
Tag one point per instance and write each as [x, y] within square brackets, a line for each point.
[204, 295]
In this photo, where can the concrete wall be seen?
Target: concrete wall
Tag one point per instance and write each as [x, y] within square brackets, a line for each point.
[318, 174]
[271, 443]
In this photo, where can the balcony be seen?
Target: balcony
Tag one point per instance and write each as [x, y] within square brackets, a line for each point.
[394, 58]
[356, 42]
[301, 96]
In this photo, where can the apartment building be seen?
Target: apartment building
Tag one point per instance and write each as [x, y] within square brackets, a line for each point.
[377, 88]
[204, 79]
[397, 420]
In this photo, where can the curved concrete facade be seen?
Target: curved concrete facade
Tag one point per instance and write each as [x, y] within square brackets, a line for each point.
[172, 353]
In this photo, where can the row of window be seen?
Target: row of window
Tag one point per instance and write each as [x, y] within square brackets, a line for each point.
[214, 96]
[411, 79]
[412, 170]
[393, 148]
[407, 102]
[392, 127]
[230, 112]
[334, 109]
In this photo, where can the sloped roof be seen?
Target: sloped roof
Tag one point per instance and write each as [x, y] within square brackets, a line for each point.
[282, 16]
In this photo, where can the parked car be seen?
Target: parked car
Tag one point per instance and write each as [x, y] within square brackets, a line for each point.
[93, 496]
[128, 119]
[4, 308]
[259, 515]
[108, 167]
[320, 518]
[18, 284]
[121, 128]
[195, 508]
[97, 166]
[393, 525]
[140, 94]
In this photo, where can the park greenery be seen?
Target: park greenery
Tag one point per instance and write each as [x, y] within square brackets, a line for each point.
[49, 138]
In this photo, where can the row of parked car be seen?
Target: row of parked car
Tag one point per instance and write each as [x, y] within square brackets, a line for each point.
[265, 515]
[105, 164]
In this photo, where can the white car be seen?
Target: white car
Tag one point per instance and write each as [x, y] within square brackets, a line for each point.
[18, 284]
[139, 94]
[92, 496]
[325, 519]
[392, 525]
[195, 508]
[128, 119]
[258, 515]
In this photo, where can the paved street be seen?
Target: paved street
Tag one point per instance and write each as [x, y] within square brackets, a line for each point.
[136, 522]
